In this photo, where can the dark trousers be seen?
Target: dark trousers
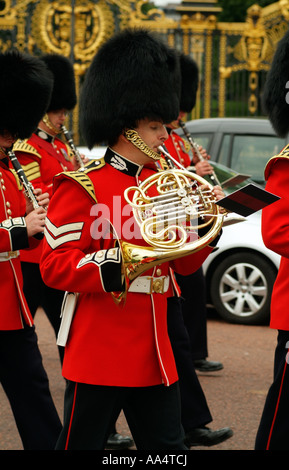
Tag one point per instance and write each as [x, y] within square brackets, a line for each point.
[195, 410]
[152, 413]
[273, 430]
[38, 294]
[193, 289]
[25, 383]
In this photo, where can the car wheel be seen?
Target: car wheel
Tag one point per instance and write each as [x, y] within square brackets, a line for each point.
[241, 288]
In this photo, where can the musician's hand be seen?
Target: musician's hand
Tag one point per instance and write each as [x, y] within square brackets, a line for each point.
[84, 158]
[203, 168]
[203, 153]
[29, 205]
[219, 194]
[35, 221]
[42, 198]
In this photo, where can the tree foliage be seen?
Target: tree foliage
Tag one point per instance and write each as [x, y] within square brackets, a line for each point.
[236, 10]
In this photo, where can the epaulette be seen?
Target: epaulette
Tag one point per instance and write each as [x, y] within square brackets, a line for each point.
[23, 146]
[81, 176]
[283, 154]
[94, 165]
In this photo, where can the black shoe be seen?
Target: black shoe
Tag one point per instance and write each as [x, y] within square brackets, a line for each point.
[207, 437]
[117, 441]
[207, 366]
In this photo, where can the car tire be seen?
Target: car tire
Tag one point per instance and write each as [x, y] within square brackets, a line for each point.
[241, 288]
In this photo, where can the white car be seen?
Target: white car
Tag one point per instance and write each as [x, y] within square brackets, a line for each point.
[240, 273]
[96, 152]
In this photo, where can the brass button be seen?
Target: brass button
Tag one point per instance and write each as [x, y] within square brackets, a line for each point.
[158, 272]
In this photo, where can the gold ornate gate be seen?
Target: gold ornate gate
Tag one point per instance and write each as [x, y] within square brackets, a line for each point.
[233, 58]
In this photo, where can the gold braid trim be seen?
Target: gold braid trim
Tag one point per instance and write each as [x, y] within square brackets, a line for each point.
[137, 141]
[23, 146]
[82, 178]
[32, 170]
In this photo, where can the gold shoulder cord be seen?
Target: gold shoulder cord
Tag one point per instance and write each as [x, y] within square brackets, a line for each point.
[137, 141]
[82, 179]
[49, 124]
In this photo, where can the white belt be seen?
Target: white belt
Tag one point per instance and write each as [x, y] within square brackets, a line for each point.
[150, 285]
[7, 255]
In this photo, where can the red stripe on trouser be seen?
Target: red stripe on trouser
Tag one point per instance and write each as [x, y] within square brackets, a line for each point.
[277, 406]
[71, 418]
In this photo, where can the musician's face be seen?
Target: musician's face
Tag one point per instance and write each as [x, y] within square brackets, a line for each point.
[153, 133]
[6, 140]
[57, 118]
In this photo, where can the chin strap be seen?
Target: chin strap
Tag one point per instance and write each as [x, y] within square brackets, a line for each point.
[48, 123]
[137, 141]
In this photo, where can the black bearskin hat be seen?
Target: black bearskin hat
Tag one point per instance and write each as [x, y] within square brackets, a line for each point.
[276, 91]
[63, 93]
[134, 75]
[25, 88]
[190, 82]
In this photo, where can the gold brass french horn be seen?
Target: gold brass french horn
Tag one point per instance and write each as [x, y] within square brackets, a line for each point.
[170, 208]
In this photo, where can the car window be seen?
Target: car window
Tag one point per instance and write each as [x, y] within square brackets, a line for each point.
[202, 139]
[251, 153]
[224, 152]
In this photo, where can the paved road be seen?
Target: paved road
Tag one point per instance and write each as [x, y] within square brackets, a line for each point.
[235, 395]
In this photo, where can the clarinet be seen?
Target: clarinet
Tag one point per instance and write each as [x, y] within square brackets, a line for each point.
[195, 147]
[72, 146]
[28, 187]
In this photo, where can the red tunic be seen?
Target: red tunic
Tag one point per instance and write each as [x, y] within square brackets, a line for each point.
[13, 236]
[275, 220]
[102, 333]
[176, 148]
[41, 161]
